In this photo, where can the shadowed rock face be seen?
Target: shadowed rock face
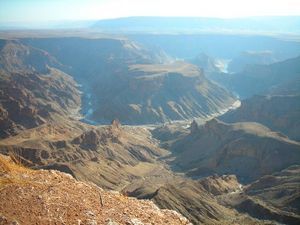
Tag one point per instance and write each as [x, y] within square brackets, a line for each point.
[272, 197]
[279, 112]
[194, 128]
[121, 79]
[32, 92]
[279, 109]
[280, 189]
[259, 79]
[16, 57]
[248, 150]
[197, 200]
[157, 93]
[206, 63]
[246, 58]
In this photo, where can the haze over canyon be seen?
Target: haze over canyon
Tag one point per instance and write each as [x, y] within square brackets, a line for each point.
[151, 120]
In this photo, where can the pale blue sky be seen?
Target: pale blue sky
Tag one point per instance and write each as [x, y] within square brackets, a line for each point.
[55, 10]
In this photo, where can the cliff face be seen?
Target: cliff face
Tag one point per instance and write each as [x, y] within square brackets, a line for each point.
[32, 92]
[272, 197]
[246, 58]
[160, 93]
[279, 112]
[248, 150]
[118, 79]
[121, 79]
[16, 57]
[264, 161]
[55, 197]
[198, 200]
[121, 158]
[280, 189]
[278, 109]
[108, 156]
[259, 79]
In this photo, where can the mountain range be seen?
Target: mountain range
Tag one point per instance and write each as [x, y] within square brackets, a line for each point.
[200, 24]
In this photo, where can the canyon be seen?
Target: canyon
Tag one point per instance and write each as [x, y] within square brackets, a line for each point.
[162, 139]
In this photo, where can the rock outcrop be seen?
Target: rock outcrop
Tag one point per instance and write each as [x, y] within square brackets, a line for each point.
[194, 128]
[248, 150]
[272, 197]
[246, 58]
[196, 200]
[260, 79]
[279, 109]
[109, 156]
[32, 93]
[57, 198]
[218, 185]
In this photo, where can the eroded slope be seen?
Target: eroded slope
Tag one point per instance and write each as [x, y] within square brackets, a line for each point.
[57, 198]
[32, 93]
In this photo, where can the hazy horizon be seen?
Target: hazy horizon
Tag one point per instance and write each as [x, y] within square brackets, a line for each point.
[32, 11]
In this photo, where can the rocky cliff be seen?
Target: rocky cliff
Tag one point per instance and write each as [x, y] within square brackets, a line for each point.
[279, 112]
[109, 156]
[248, 150]
[57, 198]
[33, 93]
[122, 79]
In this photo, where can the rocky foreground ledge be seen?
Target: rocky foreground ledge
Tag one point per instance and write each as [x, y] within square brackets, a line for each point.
[51, 197]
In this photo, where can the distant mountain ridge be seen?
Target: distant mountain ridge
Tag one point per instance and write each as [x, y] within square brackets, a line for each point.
[239, 63]
[272, 24]
[260, 79]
